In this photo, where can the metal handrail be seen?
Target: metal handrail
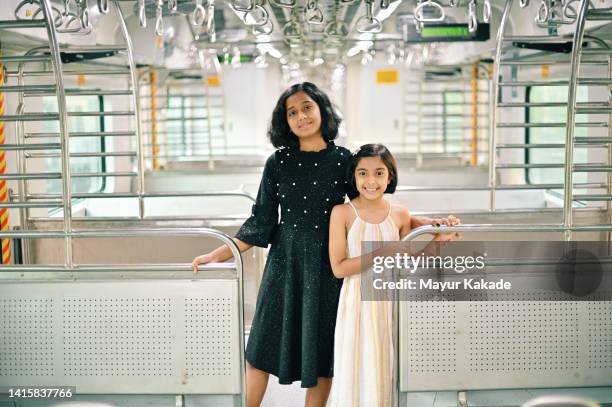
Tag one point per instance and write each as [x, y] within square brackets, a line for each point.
[143, 216]
[506, 228]
[63, 124]
[571, 117]
[135, 95]
[70, 266]
[575, 61]
[560, 401]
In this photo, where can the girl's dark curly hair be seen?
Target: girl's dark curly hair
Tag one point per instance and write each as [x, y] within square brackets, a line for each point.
[281, 135]
[371, 150]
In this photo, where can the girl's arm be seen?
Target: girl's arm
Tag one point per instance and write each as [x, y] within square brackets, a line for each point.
[219, 255]
[418, 221]
[341, 265]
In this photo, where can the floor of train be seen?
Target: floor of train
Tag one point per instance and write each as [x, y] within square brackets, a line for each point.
[283, 396]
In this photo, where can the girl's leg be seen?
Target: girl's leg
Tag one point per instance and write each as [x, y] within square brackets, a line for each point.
[317, 396]
[256, 383]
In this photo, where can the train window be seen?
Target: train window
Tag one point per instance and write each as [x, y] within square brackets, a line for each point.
[187, 126]
[78, 144]
[550, 135]
[453, 117]
[179, 131]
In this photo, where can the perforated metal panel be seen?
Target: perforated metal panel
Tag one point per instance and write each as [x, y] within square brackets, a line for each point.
[110, 337]
[117, 336]
[208, 334]
[26, 337]
[600, 335]
[431, 345]
[500, 344]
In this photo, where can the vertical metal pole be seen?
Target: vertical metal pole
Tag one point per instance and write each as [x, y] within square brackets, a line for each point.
[203, 56]
[571, 121]
[609, 174]
[404, 80]
[183, 128]
[136, 103]
[22, 184]
[474, 144]
[496, 95]
[419, 155]
[444, 123]
[63, 128]
[5, 244]
[21, 161]
[153, 103]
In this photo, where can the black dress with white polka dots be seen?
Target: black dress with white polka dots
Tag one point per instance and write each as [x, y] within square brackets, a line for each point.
[292, 335]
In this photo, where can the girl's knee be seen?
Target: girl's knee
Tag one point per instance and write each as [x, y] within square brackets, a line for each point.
[253, 370]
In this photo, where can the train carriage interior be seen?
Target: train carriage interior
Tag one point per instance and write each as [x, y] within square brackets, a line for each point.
[133, 136]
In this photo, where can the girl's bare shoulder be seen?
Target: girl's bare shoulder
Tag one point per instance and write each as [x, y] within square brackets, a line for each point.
[400, 214]
[341, 210]
[399, 210]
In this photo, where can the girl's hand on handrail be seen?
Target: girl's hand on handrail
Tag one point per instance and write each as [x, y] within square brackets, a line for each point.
[450, 220]
[219, 255]
[203, 259]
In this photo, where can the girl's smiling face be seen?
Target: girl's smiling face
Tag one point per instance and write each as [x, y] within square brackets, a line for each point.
[371, 177]
[303, 115]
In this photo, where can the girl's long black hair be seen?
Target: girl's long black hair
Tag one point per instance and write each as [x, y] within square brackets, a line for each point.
[371, 150]
[281, 135]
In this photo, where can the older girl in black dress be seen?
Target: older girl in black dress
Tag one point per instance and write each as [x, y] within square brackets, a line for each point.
[292, 336]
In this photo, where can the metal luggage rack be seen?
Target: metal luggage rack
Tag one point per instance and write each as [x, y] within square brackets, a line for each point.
[582, 51]
[435, 127]
[513, 53]
[51, 131]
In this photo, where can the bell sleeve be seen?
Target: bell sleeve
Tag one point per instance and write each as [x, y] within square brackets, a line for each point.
[259, 228]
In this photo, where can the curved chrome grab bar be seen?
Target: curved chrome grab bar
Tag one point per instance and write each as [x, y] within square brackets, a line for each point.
[265, 17]
[418, 12]
[159, 21]
[523, 3]
[238, 7]
[58, 20]
[560, 400]
[313, 13]
[285, 4]
[103, 6]
[292, 30]
[265, 29]
[543, 13]
[209, 24]
[568, 7]
[368, 23]
[486, 11]
[472, 17]
[198, 17]
[336, 29]
[142, 13]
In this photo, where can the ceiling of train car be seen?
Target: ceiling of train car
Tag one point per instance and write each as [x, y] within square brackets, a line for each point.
[315, 30]
[312, 30]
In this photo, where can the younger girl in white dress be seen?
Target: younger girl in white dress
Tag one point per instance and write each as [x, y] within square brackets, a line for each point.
[363, 348]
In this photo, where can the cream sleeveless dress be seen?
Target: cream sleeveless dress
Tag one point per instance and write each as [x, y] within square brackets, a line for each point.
[363, 344]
